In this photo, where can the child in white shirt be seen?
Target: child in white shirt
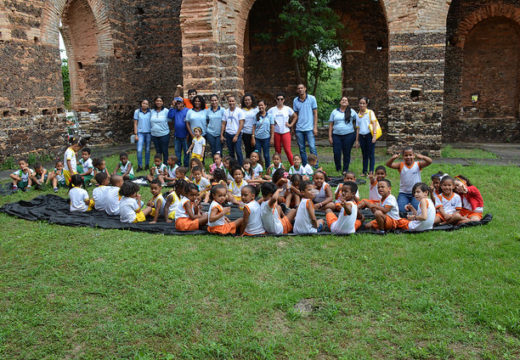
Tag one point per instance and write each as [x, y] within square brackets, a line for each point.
[79, 199]
[386, 211]
[252, 219]
[346, 222]
[305, 221]
[198, 145]
[130, 205]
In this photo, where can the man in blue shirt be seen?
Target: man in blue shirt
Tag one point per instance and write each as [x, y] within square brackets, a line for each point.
[178, 114]
[306, 109]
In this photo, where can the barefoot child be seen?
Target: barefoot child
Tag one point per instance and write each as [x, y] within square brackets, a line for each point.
[410, 171]
[386, 211]
[273, 218]
[188, 215]
[448, 204]
[124, 168]
[424, 217]
[472, 202]
[130, 205]
[157, 202]
[252, 219]
[21, 179]
[346, 222]
[305, 221]
[79, 199]
[218, 223]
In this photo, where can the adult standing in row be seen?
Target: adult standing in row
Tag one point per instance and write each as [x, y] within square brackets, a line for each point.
[187, 101]
[342, 133]
[178, 114]
[364, 137]
[263, 132]
[159, 129]
[306, 109]
[232, 125]
[142, 132]
[284, 120]
[214, 116]
[250, 110]
[196, 117]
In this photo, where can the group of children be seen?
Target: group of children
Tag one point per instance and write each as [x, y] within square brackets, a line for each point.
[272, 201]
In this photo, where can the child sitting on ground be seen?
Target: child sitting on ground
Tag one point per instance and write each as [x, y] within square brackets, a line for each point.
[410, 171]
[39, 176]
[436, 183]
[235, 186]
[347, 176]
[305, 221]
[217, 163]
[472, 201]
[256, 167]
[323, 198]
[312, 161]
[158, 170]
[130, 205]
[194, 162]
[198, 145]
[424, 217]
[79, 199]
[305, 171]
[112, 195]
[252, 219]
[171, 168]
[100, 166]
[180, 174]
[380, 174]
[386, 211]
[188, 215]
[218, 223]
[85, 166]
[448, 204]
[99, 193]
[346, 222]
[157, 202]
[277, 164]
[273, 218]
[293, 194]
[202, 183]
[21, 179]
[124, 168]
[56, 177]
[248, 170]
[172, 200]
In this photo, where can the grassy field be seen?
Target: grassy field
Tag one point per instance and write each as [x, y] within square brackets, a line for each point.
[91, 293]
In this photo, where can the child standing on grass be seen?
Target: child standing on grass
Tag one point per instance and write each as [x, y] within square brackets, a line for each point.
[305, 171]
[39, 176]
[158, 170]
[305, 221]
[69, 159]
[472, 201]
[346, 222]
[21, 179]
[273, 218]
[124, 168]
[188, 215]
[386, 211]
[56, 177]
[79, 199]
[218, 223]
[130, 206]
[85, 167]
[198, 145]
[157, 202]
[423, 218]
[448, 204]
[410, 171]
[252, 219]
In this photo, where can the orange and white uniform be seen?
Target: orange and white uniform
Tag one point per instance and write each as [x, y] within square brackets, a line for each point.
[322, 194]
[271, 220]
[220, 226]
[427, 224]
[472, 203]
[344, 224]
[254, 223]
[182, 219]
[302, 221]
[373, 194]
[393, 220]
[409, 176]
[450, 204]
[337, 193]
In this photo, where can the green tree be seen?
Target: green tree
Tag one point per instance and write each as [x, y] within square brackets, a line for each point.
[66, 82]
[328, 91]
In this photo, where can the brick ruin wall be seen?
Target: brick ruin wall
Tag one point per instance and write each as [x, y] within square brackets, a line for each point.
[121, 51]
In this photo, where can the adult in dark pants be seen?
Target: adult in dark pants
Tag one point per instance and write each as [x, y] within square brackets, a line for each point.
[248, 105]
[160, 129]
[214, 116]
[178, 115]
[143, 137]
[232, 125]
[342, 133]
[364, 138]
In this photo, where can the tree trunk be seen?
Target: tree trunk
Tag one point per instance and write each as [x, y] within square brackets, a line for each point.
[316, 75]
[296, 64]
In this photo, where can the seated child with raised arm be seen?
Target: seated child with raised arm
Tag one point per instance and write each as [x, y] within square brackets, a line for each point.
[21, 179]
[79, 199]
[218, 223]
[305, 221]
[85, 166]
[410, 171]
[158, 171]
[380, 174]
[130, 205]
[273, 218]
[252, 219]
[347, 222]
[386, 211]
[188, 215]
[124, 168]
[293, 194]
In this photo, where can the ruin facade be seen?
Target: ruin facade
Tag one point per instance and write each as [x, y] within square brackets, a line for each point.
[435, 70]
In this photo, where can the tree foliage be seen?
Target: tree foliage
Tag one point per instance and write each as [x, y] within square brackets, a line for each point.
[66, 82]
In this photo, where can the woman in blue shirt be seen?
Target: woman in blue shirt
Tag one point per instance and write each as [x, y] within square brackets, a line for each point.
[342, 133]
[160, 129]
[214, 117]
[142, 134]
[263, 132]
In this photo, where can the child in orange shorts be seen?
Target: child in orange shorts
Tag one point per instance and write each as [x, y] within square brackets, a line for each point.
[273, 218]
[188, 215]
[218, 223]
[347, 222]
[386, 211]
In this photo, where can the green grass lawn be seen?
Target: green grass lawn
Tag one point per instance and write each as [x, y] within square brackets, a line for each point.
[92, 293]
[449, 152]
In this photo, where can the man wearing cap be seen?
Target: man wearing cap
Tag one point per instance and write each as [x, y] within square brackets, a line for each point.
[178, 114]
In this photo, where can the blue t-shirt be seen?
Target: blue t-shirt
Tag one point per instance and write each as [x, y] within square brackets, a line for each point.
[197, 119]
[340, 127]
[215, 121]
[304, 110]
[143, 120]
[179, 124]
[159, 122]
[263, 126]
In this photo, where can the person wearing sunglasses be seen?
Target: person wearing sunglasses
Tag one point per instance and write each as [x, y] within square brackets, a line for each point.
[284, 119]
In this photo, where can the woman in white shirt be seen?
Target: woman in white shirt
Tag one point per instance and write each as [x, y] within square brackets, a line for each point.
[284, 120]
[364, 138]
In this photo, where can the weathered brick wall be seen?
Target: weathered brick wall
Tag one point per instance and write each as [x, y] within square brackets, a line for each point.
[482, 57]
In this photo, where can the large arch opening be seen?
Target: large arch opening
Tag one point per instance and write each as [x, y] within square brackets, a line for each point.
[482, 74]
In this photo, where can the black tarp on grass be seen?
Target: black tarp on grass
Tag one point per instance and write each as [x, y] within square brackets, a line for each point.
[55, 210]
